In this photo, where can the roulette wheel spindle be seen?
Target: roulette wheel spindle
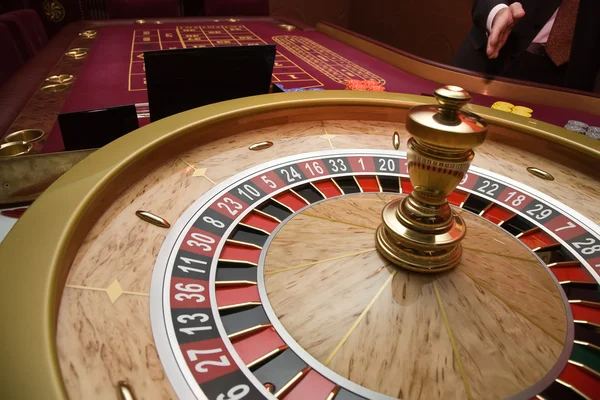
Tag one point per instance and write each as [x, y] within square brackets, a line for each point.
[421, 232]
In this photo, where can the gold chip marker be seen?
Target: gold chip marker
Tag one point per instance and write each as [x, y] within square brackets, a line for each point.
[420, 232]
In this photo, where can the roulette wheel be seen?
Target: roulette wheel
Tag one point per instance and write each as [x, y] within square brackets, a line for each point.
[234, 252]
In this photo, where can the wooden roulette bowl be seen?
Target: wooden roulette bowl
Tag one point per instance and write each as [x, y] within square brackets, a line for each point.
[267, 281]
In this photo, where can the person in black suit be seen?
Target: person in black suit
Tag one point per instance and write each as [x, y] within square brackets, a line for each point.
[556, 42]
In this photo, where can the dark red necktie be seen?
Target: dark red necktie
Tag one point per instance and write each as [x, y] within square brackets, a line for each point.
[560, 39]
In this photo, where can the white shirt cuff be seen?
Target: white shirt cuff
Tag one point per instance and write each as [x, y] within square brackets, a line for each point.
[492, 15]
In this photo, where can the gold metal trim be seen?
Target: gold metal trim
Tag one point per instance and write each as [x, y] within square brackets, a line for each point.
[25, 135]
[247, 331]
[358, 184]
[153, 219]
[140, 21]
[290, 209]
[62, 78]
[593, 346]
[102, 175]
[266, 356]
[264, 214]
[540, 173]
[235, 283]
[299, 196]
[249, 303]
[527, 232]
[360, 317]
[573, 388]
[336, 185]
[245, 244]
[546, 248]
[465, 200]
[378, 184]
[54, 88]
[564, 264]
[269, 387]
[486, 208]
[238, 262]
[595, 374]
[260, 145]
[593, 325]
[254, 227]
[333, 392]
[14, 149]
[510, 305]
[580, 282]
[292, 382]
[311, 263]
[584, 302]
[337, 221]
[457, 357]
[317, 189]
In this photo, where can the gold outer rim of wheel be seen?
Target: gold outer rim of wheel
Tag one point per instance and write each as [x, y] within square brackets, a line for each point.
[31, 282]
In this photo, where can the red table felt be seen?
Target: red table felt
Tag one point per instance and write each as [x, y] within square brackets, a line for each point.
[113, 71]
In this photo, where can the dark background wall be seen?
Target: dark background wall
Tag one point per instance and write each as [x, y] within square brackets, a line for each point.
[432, 29]
[312, 11]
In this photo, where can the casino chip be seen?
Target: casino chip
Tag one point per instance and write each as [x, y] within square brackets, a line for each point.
[579, 124]
[593, 132]
[577, 129]
[511, 108]
[370, 85]
[593, 135]
[503, 108]
[521, 113]
[522, 109]
[499, 105]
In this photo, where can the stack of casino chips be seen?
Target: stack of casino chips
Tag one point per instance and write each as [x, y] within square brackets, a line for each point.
[511, 108]
[370, 85]
[583, 128]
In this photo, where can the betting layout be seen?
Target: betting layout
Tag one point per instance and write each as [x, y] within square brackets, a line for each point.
[215, 328]
[285, 71]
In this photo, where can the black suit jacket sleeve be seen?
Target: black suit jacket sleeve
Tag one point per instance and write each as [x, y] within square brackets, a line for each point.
[480, 11]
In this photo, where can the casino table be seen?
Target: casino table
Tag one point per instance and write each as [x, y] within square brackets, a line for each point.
[107, 69]
[228, 252]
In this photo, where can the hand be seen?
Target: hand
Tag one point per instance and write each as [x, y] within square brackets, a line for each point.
[502, 26]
